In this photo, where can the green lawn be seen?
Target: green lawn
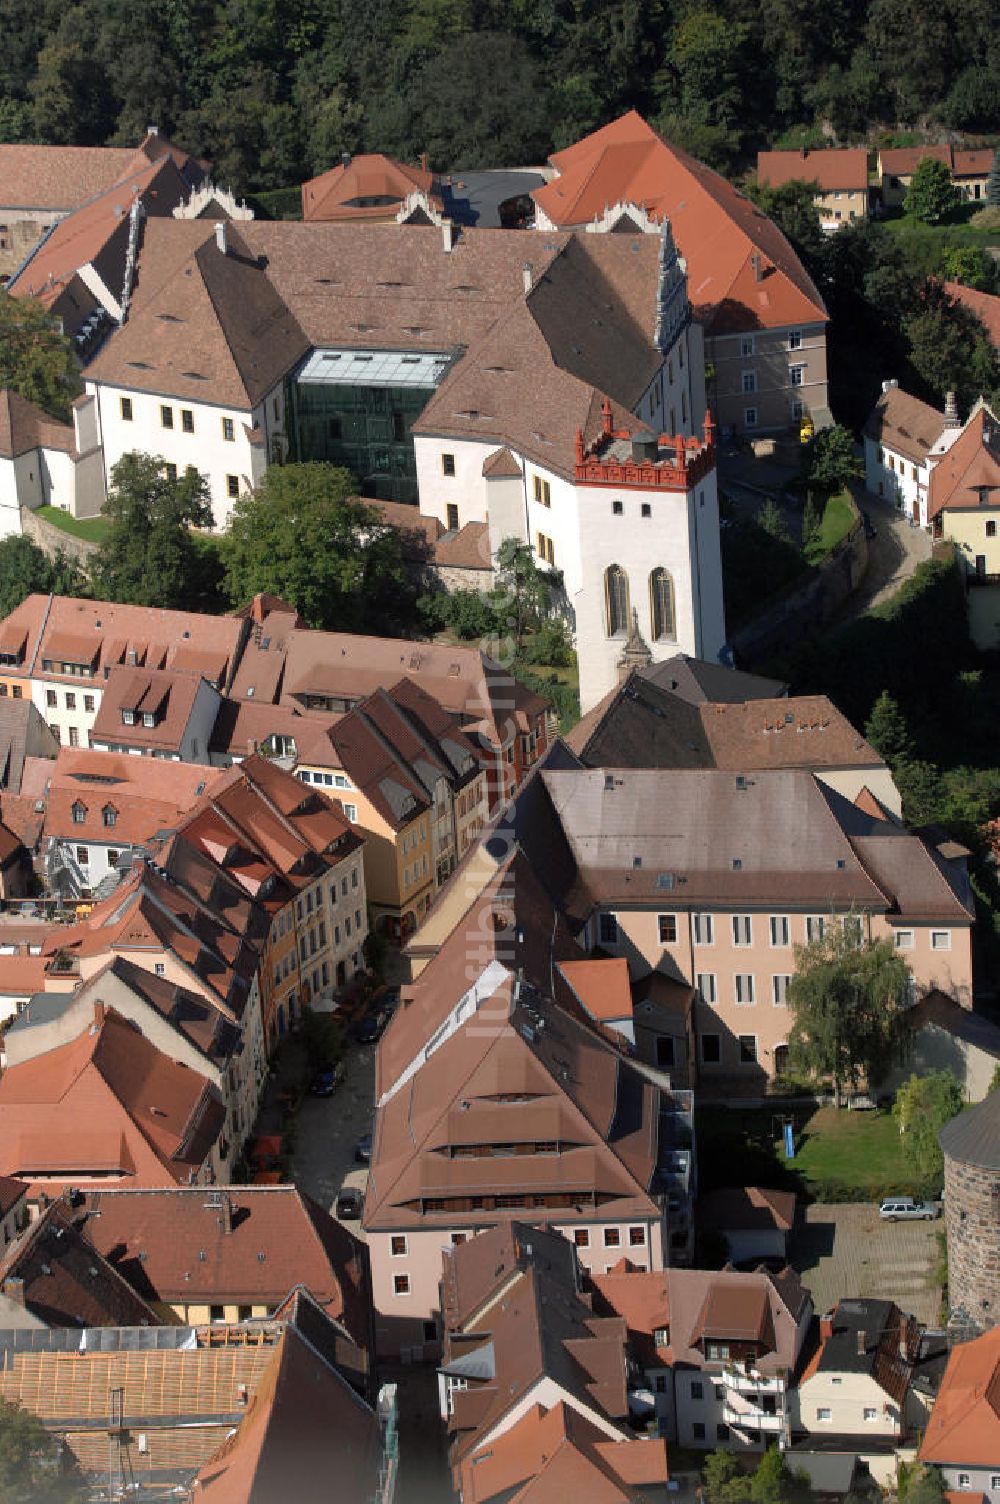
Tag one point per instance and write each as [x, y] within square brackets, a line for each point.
[953, 231]
[839, 517]
[839, 1155]
[93, 529]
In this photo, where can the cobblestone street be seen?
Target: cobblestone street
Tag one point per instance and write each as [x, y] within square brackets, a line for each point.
[848, 1250]
[328, 1128]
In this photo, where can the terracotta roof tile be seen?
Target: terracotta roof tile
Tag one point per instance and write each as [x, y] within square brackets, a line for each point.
[333, 195]
[830, 169]
[985, 305]
[964, 1427]
[968, 475]
[59, 177]
[66, 1282]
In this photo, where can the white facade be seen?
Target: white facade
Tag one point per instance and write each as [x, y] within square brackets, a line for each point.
[195, 434]
[71, 478]
[898, 478]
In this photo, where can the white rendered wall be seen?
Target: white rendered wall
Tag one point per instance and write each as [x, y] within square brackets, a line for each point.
[212, 455]
[466, 489]
[897, 485]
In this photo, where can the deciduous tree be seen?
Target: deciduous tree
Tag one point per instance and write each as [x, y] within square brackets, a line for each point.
[848, 1001]
[922, 1107]
[25, 570]
[148, 556]
[36, 359]
[831, 461]
[33, 1468]
[931, 195]
[303, 535]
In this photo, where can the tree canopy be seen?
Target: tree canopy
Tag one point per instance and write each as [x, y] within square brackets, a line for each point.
[33, 1468]
[36, 359]
[727, 1480]
[149, 556]
[26, 570]
[831, 462]
[304, 536]
[922, 1107]
[848, 997]
[931, 194]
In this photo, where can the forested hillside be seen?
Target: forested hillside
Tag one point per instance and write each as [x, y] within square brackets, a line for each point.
[274, 90]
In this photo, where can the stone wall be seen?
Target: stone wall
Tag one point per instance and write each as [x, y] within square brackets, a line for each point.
[807, 606]
[454, 577]
[972, 1204]
[52, 540]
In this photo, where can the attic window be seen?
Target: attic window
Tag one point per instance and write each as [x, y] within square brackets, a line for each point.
[454, 670]
[327, 356]
[741, 782]
[139, 365]
[737, 864]
[79, 812]
[637, 861]
[665, 881]
[194, 375]
[170, 318]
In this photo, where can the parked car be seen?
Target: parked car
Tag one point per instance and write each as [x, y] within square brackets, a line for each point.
[363, 1149]
[327, 1079]
[350, 1204]
[371, 1026]
[896, 1208]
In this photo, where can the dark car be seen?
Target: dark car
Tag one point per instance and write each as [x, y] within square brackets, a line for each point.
[326, 1080]
[350, 1204]
[371, 1027]
[363, 1149]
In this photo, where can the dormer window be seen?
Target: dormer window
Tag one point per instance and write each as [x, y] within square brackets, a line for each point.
[109, 815]
[717, 1352]
[79, 812]
[148, 718]
[128, 717]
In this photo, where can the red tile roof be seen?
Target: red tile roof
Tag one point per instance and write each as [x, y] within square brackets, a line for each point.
[168, 695]
[717, 229]
[601, 986]
[968, 475]
[65, 1280]
[334, 194]
[986, 307]
[831, 170]
[145, 1114]
[964, 1427]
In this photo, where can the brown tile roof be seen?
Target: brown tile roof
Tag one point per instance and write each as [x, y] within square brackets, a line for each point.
[156, 1238]
[601, 986]
[203, 1023]
[304, 1427]
[104, 634]
[717, 229]
[964, 1427]
[967, 476]
[831, 169]
[59, 177]
[65, 1280]
[903, 160]
[751, 1208]
[202, 324]
[11, 1192]
[501, 463]
[97, 233]
[557, 1453]
[469, 548]
[24, 426]
[168, 695]
[146, 795]
[703, 1302]
[145, 1115]
[985, 305]
[242, 726]
[906, 424]
[333, 194]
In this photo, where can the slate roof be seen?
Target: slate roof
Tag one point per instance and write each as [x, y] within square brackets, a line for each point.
[25, 426]
[973, 1137]
[866, 1338]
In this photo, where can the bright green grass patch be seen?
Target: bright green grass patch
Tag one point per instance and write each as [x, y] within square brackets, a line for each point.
[93, 529]
[859, 1150]
[838, 519]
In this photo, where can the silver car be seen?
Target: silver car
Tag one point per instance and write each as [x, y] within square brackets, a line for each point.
[895, 1208]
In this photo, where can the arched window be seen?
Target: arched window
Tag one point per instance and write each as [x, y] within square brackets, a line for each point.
[616, 599]
[661, 605]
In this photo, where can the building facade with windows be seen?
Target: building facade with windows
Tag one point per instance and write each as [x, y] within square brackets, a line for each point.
[839, 177]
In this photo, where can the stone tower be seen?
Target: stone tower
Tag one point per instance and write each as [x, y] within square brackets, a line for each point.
[971, 1145]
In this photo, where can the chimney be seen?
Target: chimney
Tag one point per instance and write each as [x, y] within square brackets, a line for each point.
[448, 235]
[345, 159]
[226, 1214]
[825, 1328]
[152, 130]
[423, 161]
[220, 237]
[887, 386]
[99, 1013]
[951, 418]
[528, 271]
[902, 1345]
[757, 262]
[862, 1342]
[13, 1288]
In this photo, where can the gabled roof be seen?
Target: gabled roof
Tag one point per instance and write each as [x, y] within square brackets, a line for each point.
[830, 169]
[964, 1426]
[334, 194]
[904, 423]
[110, 1104]
[64, 1279]
[873, 1338]
[602, 987]
[985, 305]
[717, 229]
[64, 177]
[203, 324]
[192, 1245]
[168, 695]
[968, 475]
[906, 159]
[304, 1428]
[25, 426]
[756, 1208]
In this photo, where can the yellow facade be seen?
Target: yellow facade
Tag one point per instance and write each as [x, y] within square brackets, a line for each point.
[976, 534]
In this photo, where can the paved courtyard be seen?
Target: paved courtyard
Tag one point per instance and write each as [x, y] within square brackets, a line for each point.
[847, 1250]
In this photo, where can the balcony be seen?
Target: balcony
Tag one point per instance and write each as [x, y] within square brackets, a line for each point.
[749, 1381]
[980, 581]
[754, 1420]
